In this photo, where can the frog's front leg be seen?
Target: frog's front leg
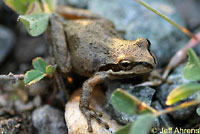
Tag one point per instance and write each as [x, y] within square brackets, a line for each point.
[85, 98]
[57, 44]
[58, 51]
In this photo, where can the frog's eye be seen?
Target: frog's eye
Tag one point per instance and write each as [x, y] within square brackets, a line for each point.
[125, 64]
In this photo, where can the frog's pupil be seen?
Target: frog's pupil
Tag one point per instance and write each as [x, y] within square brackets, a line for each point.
[125, 64]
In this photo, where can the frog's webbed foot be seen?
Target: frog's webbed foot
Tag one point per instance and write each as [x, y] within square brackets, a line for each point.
[91, 113]
[88, 112]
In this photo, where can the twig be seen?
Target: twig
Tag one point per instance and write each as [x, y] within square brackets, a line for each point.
[11, 76]
[181, 106]
[183, 29]
[180, 56]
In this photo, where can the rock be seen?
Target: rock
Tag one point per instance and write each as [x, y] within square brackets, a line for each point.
[162, 93]
[16, 123]
[77, 3]
[77, 123]
[61, 2]
[10, 126]
[21, 107]
[164, 120]
[48, 120]
[6, 42]
[191, 15]
[137, 21]
[5, 101]
[29, 48]
[37, 101]
[144, 94]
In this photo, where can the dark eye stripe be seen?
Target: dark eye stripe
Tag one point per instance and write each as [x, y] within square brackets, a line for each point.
[116, 68]
[113, 67]
[143, 63]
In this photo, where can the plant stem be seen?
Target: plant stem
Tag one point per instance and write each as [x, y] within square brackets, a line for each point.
[181, 55]
[183, 29]
[183, 105]
[11, 76]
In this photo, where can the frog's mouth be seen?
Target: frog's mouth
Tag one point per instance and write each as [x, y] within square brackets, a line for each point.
[137, 68]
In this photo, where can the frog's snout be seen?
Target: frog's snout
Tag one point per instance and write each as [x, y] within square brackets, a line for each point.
[153, 61]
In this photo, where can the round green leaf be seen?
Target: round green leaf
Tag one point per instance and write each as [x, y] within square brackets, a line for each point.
[198, 111]
[125, 129]
[181, 92]
[123, 103]
[33, 76]
[39, 64]
[143, 124]
[36, 24]
[129, 104]
[192, 70]
[18, 6]
[49, 5]
[50, 69]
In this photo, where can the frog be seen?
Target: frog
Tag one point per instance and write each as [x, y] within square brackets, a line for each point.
[87, 44]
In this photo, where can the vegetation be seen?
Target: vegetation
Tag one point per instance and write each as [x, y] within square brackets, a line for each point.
[129, 104]
[34, 14]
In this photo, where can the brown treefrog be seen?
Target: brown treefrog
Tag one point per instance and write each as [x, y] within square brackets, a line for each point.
[88, 45]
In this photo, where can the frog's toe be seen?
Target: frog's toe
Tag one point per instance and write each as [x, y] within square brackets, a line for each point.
[91, 113]
[96, 112]
[98, 119]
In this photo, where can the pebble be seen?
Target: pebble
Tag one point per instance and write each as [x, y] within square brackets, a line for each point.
[48, 120]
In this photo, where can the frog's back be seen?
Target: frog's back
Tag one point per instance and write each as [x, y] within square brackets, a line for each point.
[90, 44]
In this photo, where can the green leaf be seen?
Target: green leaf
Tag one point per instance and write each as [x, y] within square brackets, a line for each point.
[50, 69]
[143, 124]
[34, 8]
[125, 102]
[39, 64]
[33, 76]
[20, 6]
[192, 70]
[36, 24]
[198, 111]
[181, 92]
[49, 5]
[125, 129]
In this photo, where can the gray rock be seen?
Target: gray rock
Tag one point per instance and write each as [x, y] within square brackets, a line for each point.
[145, 94]
[77, 3]
[165, 89]
[164, 120]
[48, 120]
[6, 103]
[61, 2]
[138, 21]
[10, 126]
[21, 107]
[29, 48]
[6, 42]
[191, 15]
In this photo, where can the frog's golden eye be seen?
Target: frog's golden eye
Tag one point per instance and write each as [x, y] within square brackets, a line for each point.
[125, 64]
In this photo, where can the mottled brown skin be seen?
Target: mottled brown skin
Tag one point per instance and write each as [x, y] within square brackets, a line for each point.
[92, 48]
